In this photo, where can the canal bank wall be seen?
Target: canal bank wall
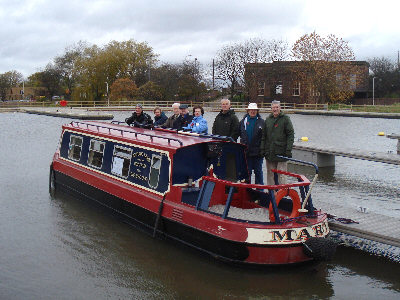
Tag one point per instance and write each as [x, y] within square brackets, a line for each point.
[340, 113]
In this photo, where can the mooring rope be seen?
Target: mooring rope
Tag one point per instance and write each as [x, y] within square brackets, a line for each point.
[342, 220]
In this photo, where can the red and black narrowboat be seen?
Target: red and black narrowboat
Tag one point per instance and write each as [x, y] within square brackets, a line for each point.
[192, 189]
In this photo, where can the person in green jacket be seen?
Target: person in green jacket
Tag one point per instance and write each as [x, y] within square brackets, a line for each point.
[226, 123]
[277, 139]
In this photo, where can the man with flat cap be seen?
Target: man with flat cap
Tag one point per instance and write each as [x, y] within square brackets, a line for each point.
[184, 118]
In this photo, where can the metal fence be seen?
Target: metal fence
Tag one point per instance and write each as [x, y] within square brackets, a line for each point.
[128, 105]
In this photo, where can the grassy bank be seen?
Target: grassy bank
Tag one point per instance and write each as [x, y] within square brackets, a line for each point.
[395, 108]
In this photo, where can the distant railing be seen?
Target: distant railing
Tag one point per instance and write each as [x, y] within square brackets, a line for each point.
[166, 105]
[208, 105]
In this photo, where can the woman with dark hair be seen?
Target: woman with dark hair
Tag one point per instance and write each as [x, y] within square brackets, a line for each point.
[198, 124]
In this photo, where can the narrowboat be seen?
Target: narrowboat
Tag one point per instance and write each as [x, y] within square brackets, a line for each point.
[193, 189]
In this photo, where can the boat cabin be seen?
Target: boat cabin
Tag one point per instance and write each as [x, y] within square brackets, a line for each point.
[205, 172]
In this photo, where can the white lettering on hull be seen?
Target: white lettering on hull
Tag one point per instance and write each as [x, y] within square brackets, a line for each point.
[286, 236]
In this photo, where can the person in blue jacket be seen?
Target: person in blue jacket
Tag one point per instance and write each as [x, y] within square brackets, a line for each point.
[198, 124]
[251, 130]
[159, 117]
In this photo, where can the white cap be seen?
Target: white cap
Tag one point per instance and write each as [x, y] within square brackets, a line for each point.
[252, 106]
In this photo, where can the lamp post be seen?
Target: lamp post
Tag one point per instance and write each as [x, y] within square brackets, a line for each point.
[148, 61]
[373, 90]
[108, 98]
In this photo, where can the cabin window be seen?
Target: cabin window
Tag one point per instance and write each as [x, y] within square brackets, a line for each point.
[155, 171]
[121, 161]
[96, 152]
[75, 147]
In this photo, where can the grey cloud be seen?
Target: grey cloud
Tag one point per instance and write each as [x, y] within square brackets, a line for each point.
[34, 32]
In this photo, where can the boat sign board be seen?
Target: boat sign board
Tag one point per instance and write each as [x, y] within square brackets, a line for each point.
[287, 235]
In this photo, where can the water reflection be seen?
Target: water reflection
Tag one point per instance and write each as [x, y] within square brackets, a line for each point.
[104, 247]
[64, 248]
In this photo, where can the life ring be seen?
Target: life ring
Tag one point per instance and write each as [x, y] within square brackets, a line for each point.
[295, 200]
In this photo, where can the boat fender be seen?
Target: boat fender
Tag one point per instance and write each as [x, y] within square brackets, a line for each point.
[319, 248]
[52, 182]
[295, 200]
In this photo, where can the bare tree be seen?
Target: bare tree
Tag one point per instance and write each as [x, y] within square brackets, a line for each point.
[228, 66]
[381, 65]
[66, 64]
[387, 75]
[232, 59]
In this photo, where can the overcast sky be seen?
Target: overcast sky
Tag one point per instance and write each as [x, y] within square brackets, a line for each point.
[33, 32]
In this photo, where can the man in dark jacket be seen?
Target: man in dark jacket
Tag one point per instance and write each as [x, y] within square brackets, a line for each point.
[226, 122]
[139, 118]
[184, 118]
[277, 139]
[251, 127]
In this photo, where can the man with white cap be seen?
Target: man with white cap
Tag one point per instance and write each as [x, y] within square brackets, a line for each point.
[251, 127]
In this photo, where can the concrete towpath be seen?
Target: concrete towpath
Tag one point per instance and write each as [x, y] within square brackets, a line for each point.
[66, 112]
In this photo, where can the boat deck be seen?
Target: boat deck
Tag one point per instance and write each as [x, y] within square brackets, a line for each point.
[371, 226]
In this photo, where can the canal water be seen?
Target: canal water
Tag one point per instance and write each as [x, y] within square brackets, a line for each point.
[64, 248]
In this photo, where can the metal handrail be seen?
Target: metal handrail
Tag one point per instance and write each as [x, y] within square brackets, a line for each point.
[304, 182]
[127, 131]
[203, 135]
[301, 162]
[308, 196]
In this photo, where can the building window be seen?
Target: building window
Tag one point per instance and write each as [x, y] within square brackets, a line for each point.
[296, 89]
[339, 80]
[155, 171]
[121, 161]
[314, 92]
[96, 152]
[261, 88]
[353, 81]
[75, 147]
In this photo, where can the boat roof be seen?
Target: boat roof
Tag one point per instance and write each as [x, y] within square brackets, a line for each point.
[165, 138]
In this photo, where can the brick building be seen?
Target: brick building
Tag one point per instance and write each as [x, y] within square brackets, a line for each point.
[290, 81]
[14, 93]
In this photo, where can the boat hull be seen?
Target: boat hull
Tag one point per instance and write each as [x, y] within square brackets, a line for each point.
[145, 219]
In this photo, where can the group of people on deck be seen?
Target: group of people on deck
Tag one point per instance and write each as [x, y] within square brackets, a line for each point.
[267, 138]
[180, 119]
